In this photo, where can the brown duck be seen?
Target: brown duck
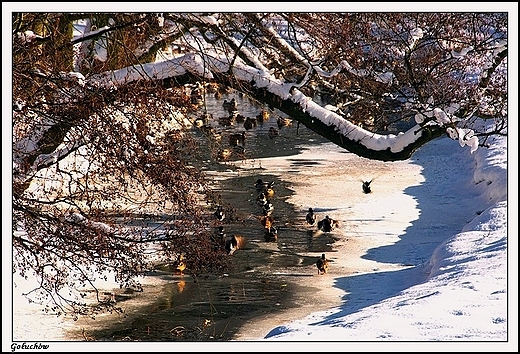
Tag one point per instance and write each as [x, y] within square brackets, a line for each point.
[180, 264]
[322, 264]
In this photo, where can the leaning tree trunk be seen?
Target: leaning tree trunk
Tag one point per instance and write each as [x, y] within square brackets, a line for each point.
[331, 133]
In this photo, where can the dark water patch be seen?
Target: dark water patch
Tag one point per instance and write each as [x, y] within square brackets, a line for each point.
[258, 143]
[209, 309]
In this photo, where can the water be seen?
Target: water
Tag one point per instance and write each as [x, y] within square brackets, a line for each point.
[262, 280]
[270, 283]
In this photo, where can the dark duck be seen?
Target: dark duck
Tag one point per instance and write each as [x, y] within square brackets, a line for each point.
[219, 214]
[233, 244]
[271, 234]
[237, 139]
[230, 105]
[366, 186]
[327, 224]
[268, 208]
[220, 237]
[272, 132]
[250, 123]
[261, 185]
[310, 217]
[322, 264]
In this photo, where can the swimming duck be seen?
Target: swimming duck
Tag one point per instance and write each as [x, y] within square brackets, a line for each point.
[233, 244]
[230, 105]
[272, 132]
[219, 213]
[239, 118]
[327, 224]
[271, 234]
[267, 221]
[261, 199]
[322, 264]
[366, 186]
[263, 116]
[260, 185]
[269, 191]
[221, 235]
[310, 217]
[180, 264]
[268, 208]
[239, 150]
[224, 154]
[219, 238]
[237, 139]
[211, 132]
[250, 123]
[283, 122]
[227, 121]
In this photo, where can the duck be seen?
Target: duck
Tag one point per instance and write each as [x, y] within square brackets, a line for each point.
[219, 238]
[239, 150]
[227, 121]
[272, 132]
[224, 154]
[233, 244]
[261, 199]
[250, 123]
[219, 213]
[269, 190]
[237, 139]
[230, 105]
[327, 224]
[180, 264]
[263, 116]
[310, 217]
[271, 234]
[322, 264]
[266, 221]
[221, 235]
[260, 185]
[268, 208]
[239, 118]
[283, 122]
[366, 186]
[211, 132]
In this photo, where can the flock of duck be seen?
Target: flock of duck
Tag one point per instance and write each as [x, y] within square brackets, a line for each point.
[234, 118]
[265, 194]
[265, 189]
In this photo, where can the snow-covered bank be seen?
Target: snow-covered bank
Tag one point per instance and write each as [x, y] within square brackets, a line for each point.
[461, 294]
